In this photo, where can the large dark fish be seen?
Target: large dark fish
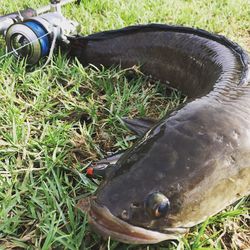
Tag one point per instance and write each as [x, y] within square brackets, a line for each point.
[194, 162]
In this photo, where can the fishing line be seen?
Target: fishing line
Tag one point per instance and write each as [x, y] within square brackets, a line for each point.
[53, 45]
[23, 46]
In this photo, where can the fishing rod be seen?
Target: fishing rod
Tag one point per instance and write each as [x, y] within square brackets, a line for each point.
[33, 33]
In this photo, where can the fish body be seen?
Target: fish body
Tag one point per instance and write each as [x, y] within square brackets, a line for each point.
[197, 157]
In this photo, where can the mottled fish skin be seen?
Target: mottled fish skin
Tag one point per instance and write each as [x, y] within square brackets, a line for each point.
[199, 155]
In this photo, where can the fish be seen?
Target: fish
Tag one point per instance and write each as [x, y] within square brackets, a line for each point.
[195, 161]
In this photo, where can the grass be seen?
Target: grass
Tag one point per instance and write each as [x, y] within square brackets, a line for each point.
[55, 121]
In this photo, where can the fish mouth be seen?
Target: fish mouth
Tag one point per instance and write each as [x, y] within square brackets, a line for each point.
[103, 222]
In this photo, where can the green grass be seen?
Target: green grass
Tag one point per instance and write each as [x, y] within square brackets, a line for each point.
[55, 121]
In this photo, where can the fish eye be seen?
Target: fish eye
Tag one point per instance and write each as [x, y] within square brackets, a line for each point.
[157, 204]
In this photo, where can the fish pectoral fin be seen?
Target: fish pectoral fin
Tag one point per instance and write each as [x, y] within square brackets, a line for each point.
[100, 168]
[139, 125]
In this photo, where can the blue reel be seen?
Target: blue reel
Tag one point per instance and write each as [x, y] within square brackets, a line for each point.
[42, 35]
[35, 38]
[30, 40]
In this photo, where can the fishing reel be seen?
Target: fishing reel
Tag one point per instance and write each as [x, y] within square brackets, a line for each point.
[33, 34]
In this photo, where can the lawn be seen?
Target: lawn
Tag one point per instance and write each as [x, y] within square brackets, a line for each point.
[55, 121]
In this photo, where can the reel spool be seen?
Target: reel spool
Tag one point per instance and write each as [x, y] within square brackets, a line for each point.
[33, 38]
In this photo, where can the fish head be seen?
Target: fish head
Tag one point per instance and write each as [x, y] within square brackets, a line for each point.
[137, 204]
[164, 185]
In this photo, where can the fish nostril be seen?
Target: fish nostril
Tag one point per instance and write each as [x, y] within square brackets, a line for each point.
[124, 215]
[134, 205]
